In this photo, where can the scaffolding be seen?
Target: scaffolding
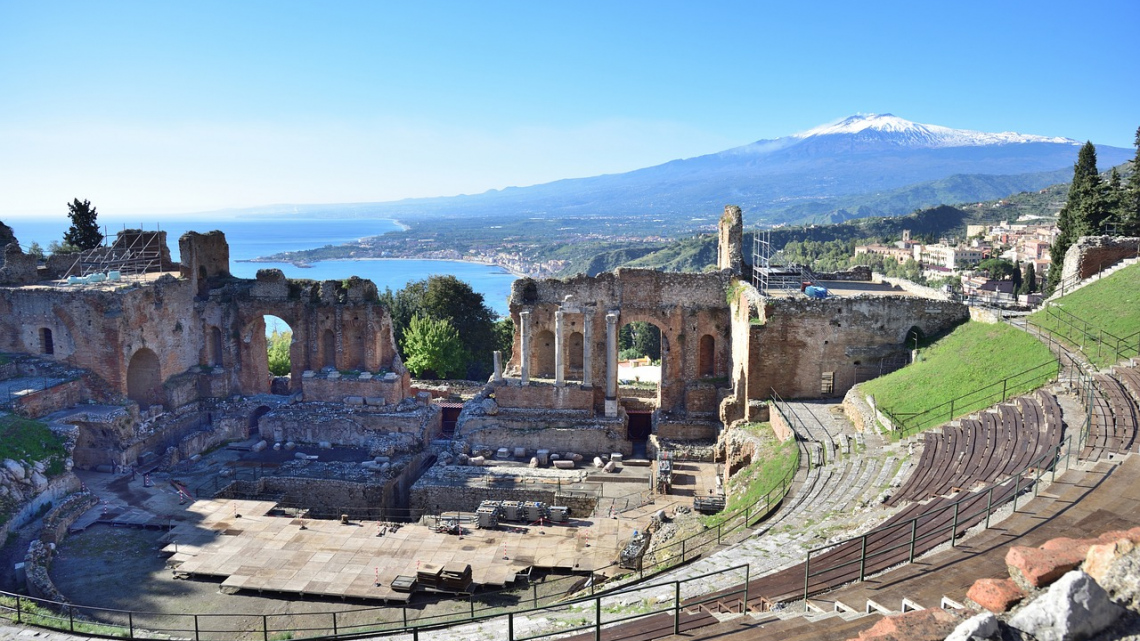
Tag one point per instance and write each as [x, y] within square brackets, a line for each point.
[130, 255]
[770, 273]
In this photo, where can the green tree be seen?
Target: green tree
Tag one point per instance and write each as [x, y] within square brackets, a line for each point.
[1028, 279]
[1083, 213]
[448, 298]
[278, 351]
[433, 348]
[1130, 207]
[505, 338]
[640, 338]
[35, 250]
[84, 231]
[999, 268]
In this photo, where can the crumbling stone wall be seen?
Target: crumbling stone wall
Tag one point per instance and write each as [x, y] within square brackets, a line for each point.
[1090, 254]
[684, 307]
[383, 433]
[795, 341]
[16, 267]
[729, 233]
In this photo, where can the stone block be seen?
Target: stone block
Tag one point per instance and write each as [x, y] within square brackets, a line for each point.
[598, 463]
[476, 461]
[1101, 557]
[365, 376]
[980, 626]
[616, 457]
[334, 375]
[354, 400]
[1074, 607]
[995, 595]
[543, 457]
[564, 464]
[374, 400]
[391, 377]
[520, 452]
[919, 625]
[502, 453]
[1038, 567]
[308, 374]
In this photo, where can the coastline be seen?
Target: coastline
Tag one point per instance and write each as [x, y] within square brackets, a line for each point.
[309, 263]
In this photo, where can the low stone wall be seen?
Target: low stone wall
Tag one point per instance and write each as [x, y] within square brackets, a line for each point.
[912, 288]
[52, 399]
[680, 429]
[432, 499]
[326, 497]
[546, 430]
[350, 426]
[780, 427]
[544, 396]
[1090, 254]
[375, 390]
[37, 561]
[55, 488]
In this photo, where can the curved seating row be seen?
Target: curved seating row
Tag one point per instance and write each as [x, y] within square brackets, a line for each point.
[992, 445]
[1114, 405]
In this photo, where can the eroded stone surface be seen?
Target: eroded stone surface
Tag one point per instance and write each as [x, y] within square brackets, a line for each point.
[1074, 607]
[920, 625]
[995, 595]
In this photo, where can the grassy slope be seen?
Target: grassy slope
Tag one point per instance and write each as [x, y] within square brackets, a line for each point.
[972, 357]
[24, 439]
[1109, 305]
[772, 461]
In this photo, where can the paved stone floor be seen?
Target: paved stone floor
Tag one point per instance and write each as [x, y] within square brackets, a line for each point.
[257, 551]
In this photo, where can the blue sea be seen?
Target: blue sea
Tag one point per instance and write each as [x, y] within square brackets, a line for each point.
[262, 237]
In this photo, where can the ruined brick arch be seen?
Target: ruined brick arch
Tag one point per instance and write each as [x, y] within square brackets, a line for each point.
[144, 379]
[575, 352]
[543, 354]
[328, 349]
[706, 359]
[214, 347]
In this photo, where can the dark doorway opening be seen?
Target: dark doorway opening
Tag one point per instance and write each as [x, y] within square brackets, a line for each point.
[254, 420]
[450, 418]
[638, 431]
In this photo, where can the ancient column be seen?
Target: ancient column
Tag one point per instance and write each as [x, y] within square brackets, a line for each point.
[498, 357]
[587, 348]
[559, 352]
[611, 363]
[524, 358]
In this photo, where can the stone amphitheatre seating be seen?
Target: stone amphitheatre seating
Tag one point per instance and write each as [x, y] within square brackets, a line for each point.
[998, 443]
[1114, 416]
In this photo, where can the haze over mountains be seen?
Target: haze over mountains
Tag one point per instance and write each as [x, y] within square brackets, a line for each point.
[864, 165]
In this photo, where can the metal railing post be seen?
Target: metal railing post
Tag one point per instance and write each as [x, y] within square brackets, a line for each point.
[19, 615]
[131, 623]
[954, 527]
[510, 626]
[676, 608]
[989, 505]
[863, 558]
[1016, 490]
[265, 627]
[71, 621]
[747, 573]
[336, 629]
[598, 619]
[195, 627]
[807, 576]
[913, 538]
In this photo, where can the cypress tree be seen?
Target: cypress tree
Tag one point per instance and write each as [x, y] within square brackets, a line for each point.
[1130, 207]
[84, 231]
[1083, 214]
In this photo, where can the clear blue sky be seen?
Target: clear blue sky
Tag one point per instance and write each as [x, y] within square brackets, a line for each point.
[164, 107]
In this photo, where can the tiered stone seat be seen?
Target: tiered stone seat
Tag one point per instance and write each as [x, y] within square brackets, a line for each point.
[999, 443]
[1124, 412]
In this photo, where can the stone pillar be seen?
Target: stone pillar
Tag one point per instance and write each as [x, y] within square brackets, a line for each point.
[730, 232]
[611, 364]
[588, 348]
[559, 352]
[498, 357]
[524, 358]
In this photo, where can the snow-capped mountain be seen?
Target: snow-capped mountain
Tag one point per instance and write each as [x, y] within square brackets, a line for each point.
[863, 165]
[891, 128]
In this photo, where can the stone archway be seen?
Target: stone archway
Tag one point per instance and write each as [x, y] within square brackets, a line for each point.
[543, 364]
[144, 379]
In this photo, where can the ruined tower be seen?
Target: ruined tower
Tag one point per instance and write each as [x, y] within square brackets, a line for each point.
[729, 232]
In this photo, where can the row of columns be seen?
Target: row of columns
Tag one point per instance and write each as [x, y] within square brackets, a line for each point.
[560, 353]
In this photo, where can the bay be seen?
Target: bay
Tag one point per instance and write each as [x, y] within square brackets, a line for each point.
[262, 237]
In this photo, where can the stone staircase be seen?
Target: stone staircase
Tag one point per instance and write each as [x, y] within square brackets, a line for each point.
[1065, 291]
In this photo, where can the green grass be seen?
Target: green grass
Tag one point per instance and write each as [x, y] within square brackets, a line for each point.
[771, 463]
[33, 614]
[967, 367]
[1110, 305]
[28, 440]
